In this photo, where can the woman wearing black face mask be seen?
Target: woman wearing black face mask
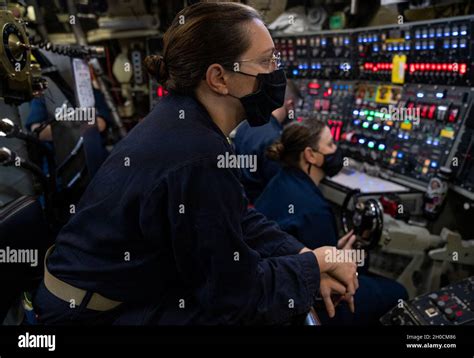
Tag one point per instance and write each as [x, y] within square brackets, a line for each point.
[178, 245]
[292, 198]
[254, 141]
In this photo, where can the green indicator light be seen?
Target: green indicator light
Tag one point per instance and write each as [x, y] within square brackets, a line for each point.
[365, 125]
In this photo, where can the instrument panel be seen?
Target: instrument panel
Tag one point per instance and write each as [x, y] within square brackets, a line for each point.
[399, 96]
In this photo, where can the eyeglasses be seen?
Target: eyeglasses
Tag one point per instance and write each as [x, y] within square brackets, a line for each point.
[271, 63]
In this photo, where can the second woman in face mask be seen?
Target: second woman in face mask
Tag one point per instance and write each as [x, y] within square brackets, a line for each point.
[293, 199]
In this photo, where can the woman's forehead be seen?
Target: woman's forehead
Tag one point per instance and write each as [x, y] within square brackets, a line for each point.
[261, 42]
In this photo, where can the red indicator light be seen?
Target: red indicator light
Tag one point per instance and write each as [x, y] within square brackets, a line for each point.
[453, 115]
[431, 111]
[161, 92]
[462, 69]
[423, 111]
[338, 131]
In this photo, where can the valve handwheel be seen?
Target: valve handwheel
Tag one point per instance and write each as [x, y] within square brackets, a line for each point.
[366, 219]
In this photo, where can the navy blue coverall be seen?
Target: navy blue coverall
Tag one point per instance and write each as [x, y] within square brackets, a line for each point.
[165, 230]
[254, 141]
[298, 206]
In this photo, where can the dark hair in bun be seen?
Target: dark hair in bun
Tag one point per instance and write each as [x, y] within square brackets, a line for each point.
[275, 150]
[200, 35]
[295, 138]
[156, 67]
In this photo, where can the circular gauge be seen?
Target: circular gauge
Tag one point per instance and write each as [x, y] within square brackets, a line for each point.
[13, 43]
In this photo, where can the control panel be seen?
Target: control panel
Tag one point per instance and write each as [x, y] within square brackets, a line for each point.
[451, 305]
[398, 97]
[326, 100]
[410, 130]
[324, 56]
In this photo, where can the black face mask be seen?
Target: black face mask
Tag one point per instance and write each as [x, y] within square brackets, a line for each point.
[269, 96]
[333, 162]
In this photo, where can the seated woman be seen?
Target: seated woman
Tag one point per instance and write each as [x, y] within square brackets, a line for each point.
[292, 198]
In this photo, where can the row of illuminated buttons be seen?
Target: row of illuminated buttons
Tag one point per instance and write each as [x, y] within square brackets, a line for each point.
[445, 67]
[314, 41]
[447, 132]
[432, 111]
[424, 166]
[406, 124]
[370, 143]
[317, 66]
[376, 66]
[447, 44]
[441, 32]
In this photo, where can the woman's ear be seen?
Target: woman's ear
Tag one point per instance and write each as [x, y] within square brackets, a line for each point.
[216, 79]
[311, 156]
